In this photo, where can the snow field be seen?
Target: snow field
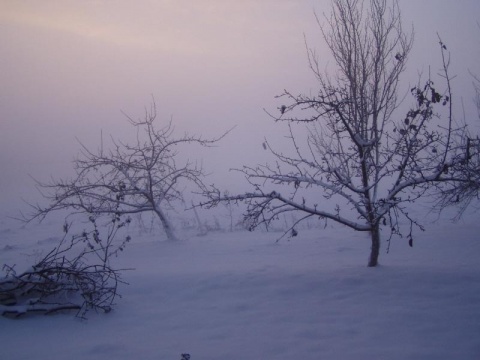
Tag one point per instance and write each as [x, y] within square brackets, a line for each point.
[243, 296]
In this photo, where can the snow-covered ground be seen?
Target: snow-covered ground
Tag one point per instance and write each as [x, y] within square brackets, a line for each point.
[241, 295]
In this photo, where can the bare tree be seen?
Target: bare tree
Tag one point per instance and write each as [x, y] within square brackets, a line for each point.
[368, 161]
[128, 179]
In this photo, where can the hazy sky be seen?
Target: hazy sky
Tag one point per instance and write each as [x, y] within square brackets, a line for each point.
[68, 69]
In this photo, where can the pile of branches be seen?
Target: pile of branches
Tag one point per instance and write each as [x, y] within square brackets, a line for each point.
[75, 275]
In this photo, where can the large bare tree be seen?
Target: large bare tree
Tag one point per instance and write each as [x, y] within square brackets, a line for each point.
[367, 159]
[146, 176]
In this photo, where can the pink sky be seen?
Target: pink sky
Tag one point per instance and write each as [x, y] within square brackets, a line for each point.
[68, 69]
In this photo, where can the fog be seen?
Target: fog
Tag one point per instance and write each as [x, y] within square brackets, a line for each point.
[69, 69]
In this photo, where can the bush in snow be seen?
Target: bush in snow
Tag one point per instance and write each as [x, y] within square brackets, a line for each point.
[75, 275]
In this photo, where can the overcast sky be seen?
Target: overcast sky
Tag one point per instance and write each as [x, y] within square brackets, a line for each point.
[69, 68]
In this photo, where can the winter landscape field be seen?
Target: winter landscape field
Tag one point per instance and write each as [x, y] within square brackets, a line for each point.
[130, 131]
[243, 295]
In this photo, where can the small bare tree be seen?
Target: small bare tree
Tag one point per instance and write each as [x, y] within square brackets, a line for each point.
[368, 161]
[127, 179]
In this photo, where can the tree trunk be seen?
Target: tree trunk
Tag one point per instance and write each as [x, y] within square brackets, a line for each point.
[167, 226]
[375, 249]
[201, 229]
